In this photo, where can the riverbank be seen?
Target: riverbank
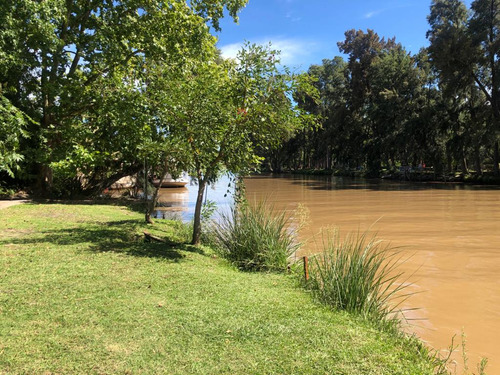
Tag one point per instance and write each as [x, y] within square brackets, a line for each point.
[409, 174]
[81, 292]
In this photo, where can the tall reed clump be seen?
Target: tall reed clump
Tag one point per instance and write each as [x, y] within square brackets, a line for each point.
[256, 237]
[358, 274]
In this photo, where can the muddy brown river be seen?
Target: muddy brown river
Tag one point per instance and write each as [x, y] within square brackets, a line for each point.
[452, 233]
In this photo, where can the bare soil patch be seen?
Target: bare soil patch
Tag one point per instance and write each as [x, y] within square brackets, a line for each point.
[5, 204]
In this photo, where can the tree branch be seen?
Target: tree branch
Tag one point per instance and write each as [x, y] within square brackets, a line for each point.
[482, 87]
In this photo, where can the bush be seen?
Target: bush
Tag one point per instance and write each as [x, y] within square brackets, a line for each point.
[256, 238]
[358, 275]
[6, 193]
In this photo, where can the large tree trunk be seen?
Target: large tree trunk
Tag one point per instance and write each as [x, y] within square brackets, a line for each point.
[276, 161]
[197, 212]
[449, 165]
[44, 180]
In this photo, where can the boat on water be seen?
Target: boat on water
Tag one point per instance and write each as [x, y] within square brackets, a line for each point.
[169, 181]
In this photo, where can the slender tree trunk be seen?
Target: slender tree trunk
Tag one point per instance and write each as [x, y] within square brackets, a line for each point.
[496, 159]
[465, 170]
[197, 212]
[494, 83]
[151, 206]
[45, 173]
[147, 217]
[477, 161]
[304, 158]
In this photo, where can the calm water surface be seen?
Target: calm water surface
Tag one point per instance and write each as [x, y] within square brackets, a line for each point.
[452, 232]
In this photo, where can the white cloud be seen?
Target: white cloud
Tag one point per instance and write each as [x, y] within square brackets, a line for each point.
[373, 13]
[292, 18]
[230, 51]
[294, 52]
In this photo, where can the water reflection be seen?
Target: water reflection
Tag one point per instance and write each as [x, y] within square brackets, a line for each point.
[171, 202]
[348, 183]
[180, 202]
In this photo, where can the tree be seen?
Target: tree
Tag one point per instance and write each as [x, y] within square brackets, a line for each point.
[12, 128]
[332, 139]
[77, 69]
[222, 113]
[363, 50]
[464, 49]
[366, 50]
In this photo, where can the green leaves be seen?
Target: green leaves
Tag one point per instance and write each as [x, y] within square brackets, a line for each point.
[451, 50]
[224, 112]
[463, 50]
[220, 114]
[12, 129]
[80, 68]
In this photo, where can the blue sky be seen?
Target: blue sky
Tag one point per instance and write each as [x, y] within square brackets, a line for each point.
[307, 31]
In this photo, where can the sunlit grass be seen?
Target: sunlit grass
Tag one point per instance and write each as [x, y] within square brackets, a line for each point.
[82, 293]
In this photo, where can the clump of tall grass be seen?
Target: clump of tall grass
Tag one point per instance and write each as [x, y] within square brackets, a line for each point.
[359, 274]
[256, 237]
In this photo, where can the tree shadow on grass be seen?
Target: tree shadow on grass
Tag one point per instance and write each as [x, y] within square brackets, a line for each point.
[116, 236]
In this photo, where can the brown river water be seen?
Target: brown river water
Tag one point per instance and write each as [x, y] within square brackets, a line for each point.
[452, 233]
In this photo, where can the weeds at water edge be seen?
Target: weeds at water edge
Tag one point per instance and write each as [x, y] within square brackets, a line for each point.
[256, 237]
[359, 274]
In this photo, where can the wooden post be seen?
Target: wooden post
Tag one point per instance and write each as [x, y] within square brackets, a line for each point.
[306, 268]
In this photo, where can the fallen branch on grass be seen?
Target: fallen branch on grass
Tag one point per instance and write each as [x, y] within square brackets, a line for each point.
[152, 238]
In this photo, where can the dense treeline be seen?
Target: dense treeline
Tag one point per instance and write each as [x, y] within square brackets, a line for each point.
[384, 109]
[90, 90]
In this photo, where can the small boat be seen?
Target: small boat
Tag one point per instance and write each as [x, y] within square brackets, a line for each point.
[168, 181]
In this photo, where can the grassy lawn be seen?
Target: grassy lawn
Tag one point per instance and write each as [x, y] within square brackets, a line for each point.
[81, 292]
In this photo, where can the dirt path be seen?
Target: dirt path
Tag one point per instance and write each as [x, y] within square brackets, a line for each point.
[5, 204]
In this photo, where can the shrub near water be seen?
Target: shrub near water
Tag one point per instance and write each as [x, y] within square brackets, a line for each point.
[256, 237]
[358, 274]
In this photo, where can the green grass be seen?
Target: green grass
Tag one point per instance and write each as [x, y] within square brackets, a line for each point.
[82, 293]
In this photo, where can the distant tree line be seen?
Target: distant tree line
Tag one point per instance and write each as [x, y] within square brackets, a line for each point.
[386, 109]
